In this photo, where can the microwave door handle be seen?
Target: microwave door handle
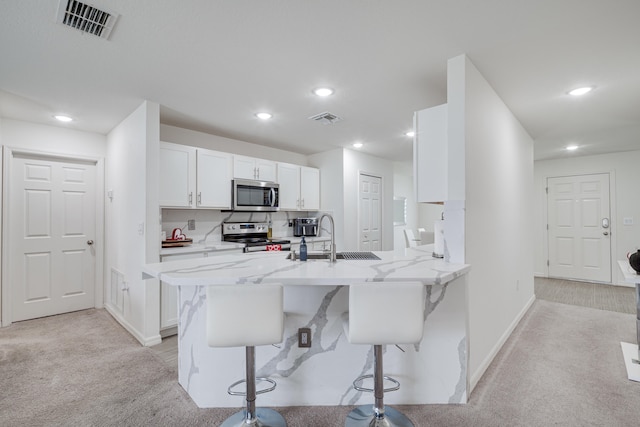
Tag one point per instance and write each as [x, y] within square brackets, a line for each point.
[272, 197]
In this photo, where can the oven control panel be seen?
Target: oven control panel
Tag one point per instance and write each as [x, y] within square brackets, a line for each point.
[244, 227]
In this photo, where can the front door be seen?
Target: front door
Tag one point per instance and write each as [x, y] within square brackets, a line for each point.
[52, 228]
[370, 213]
[579, 227]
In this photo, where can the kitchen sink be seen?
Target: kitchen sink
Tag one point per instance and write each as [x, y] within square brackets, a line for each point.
[350, 256]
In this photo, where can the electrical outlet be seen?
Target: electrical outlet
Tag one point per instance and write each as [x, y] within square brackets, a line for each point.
[304, 337]
[191, 224]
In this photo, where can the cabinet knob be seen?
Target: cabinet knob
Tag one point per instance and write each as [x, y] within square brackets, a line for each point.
[89, 242]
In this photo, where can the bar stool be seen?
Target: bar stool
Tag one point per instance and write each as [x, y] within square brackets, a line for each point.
[247, 315]
[379, 314]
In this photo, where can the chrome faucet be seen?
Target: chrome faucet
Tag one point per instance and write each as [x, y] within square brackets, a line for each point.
[332, 248]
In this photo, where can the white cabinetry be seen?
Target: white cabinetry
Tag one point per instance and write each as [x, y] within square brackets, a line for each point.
[252, 168]
[169, 294]
[194, 177]
[430, 155]
[299, 187]
[177, 176]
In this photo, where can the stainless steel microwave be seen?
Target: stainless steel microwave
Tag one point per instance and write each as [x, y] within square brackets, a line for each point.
[250, 195]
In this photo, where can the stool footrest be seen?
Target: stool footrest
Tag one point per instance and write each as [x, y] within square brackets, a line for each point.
[244, 393]
[386, 390]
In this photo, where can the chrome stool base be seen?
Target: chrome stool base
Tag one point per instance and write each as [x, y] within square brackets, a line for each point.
[363, 416]
[264, 417]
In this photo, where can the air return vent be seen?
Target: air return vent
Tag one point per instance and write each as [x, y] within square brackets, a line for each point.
[325, 118]
[86, 18]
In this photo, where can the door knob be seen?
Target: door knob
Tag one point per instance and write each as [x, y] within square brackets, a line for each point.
[89, 242]
[606, 233]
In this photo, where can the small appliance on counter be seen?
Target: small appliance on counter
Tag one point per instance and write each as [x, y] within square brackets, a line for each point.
[254, 235]
[307, 227]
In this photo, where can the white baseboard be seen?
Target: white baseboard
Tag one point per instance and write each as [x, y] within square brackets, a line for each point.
[475, 377]
[145, 341]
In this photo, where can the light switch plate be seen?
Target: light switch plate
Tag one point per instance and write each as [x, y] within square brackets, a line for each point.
[627, 221]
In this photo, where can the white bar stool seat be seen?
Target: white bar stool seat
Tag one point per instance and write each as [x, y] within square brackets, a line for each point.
[382, 313]
[247, 315]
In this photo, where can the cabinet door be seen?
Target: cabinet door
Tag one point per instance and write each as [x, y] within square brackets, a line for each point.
[289, 180]
[214, 179]
[430, 155]
[309, 188]
[169, 294]
[177, 180]
[244, 167]
[266, 170]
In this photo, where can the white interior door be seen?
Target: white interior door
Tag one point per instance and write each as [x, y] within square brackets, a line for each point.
[579, 227]
[52, 229]
[370, 220]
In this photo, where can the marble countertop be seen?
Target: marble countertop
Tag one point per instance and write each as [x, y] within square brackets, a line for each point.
[415, 264]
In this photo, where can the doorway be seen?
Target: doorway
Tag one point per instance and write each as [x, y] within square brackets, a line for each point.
[370, 212]
[50, 231]
[579, 227]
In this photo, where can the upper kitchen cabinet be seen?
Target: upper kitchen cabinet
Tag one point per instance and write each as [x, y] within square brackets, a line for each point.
[252, 168]
[177, 177]
[430, 155]
[194, 177]
[299, 187]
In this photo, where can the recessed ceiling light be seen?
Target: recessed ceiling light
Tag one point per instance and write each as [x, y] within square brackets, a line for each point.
[357, 144]
[323, 91]
[581, 90]
[571, 147]
[63, 118]
[410, 133]
[264, 116]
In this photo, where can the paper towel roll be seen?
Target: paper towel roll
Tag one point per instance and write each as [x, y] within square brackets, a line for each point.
[438, 239]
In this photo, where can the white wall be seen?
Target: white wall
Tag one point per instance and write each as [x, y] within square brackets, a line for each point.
[52, 140]
[403, 187]
[339, 174]
[355, 163]
[132, 168]
[498, 201]
[624, 170]
[213, 142]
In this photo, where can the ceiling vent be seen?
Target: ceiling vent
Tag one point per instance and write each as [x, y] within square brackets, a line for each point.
[325, 118]
[86, 18]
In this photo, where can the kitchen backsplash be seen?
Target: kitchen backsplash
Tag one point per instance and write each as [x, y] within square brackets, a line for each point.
[208, 222]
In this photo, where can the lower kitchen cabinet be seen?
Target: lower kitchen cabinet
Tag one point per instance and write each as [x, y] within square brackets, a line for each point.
[169, 294]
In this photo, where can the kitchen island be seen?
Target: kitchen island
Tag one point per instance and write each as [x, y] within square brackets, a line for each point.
[315, 296]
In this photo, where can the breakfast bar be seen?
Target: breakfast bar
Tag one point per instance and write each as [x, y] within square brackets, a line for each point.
[315, 297]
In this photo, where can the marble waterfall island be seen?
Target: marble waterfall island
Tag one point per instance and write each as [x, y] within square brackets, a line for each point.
[315, 296]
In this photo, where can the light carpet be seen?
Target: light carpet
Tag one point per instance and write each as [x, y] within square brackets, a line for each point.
[561, 366]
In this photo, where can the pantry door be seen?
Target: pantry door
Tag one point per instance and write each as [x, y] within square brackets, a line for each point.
[579, 228]
[370, 219]
[52, 218]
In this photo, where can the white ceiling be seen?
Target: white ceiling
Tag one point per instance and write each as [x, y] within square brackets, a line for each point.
[212, 64]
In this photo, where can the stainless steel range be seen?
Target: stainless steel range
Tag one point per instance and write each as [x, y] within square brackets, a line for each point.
[253, 235]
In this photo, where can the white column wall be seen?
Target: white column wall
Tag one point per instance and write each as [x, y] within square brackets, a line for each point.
[624, 170]
[132, 169]
[498, 203]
